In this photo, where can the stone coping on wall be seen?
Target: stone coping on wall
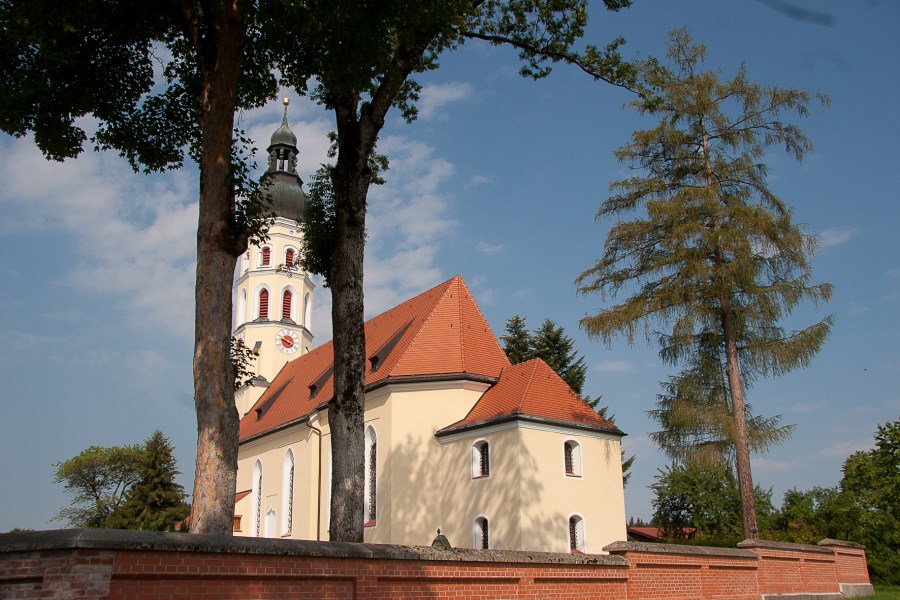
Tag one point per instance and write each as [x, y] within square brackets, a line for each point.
[656, 548]
[784, 546]
[841, 543]
[117, 539]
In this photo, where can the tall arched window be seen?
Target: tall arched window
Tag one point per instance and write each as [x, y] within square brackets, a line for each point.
[576, 534]
[264, 304]
[371, 489]
[481, 534]
[572, 458]
[286, 301]
[242, 307]
[256, 516]
[307, 311]
[289, 257]
[287, 488]
[481, 459]
[265, 256]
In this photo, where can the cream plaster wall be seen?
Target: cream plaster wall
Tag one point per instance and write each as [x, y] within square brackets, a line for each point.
[424, 483]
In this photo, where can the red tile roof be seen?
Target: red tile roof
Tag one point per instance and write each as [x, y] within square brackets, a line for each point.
[532, 389]
[439, 333]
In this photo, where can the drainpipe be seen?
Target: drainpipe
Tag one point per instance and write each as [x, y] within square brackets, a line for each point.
[309, 421]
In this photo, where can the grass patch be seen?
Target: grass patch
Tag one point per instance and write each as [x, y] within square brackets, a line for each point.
[887, 592]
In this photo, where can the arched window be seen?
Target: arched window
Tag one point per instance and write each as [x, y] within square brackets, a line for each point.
[264, 304]
[576, 534]
[481, 534]
[481, 459]
[572, 458]
[371, 475]
[257, 498]
[286, 299]
[289, 256]
[307, 311]
[242, 308]
[287, 487]
[265, 256]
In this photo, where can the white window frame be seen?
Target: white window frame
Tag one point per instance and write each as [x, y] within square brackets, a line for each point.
[478, 532]
[580, 533]
[577, 459]
[259, 257]
[295, 300]
[256, 304]
[477, 471]
[368, 509]
[288, 478]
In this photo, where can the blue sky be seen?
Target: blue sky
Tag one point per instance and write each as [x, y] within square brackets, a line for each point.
[499, 181]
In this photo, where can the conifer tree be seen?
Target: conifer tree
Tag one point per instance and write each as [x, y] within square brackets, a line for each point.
[156, 502]
[516, 340]
[550, 342]
[717, 252]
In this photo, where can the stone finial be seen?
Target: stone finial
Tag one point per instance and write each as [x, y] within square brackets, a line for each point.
[441, 542]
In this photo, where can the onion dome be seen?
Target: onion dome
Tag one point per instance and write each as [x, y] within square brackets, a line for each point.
[284, 185]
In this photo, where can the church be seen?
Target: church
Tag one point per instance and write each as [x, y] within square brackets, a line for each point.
[494, 455]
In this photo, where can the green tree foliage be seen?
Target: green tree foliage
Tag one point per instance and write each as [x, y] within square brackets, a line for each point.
[517, 342]
[99, 478]
[363, 57]
[156, 502]
[706, 499]
[871, 487]
[123, 487]
[716, 260]
[64, 61]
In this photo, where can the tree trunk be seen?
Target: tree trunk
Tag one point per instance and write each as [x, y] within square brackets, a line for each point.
[212, 509]
[739, 413]
[350, 178]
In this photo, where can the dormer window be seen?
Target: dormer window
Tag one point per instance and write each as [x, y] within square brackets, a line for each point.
[481, 459]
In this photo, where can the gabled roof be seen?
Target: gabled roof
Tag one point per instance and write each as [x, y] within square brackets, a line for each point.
[532, 390]
[439, 333]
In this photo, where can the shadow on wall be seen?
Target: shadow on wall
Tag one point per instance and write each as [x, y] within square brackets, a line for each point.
[427, 494]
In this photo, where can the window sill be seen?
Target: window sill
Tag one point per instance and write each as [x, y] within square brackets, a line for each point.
[488, 476]
[369, 523]
[574, 475]
[286, 535]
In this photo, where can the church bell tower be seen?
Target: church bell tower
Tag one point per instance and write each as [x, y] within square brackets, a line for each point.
[274, 296]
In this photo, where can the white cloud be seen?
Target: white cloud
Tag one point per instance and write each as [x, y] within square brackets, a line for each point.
[479, 180]
[615, 366]
[836, 237]
[134, 234]
[488, 249]
[435, 96]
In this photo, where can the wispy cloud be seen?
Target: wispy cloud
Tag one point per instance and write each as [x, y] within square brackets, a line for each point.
[615, 366]
[435, 96]
[478, 181]
[486, 248]
[836, 236]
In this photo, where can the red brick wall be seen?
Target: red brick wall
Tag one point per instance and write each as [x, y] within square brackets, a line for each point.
[850, 561]
[102, 565]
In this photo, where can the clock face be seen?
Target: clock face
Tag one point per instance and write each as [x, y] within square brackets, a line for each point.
[287, 341]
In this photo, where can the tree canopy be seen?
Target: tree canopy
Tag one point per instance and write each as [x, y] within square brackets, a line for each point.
[715, 261]
[99, 58]
[123, 487]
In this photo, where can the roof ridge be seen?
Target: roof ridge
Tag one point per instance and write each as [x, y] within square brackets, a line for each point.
[462, 326]
[530, 381]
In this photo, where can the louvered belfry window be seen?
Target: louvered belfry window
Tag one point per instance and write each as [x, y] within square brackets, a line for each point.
[289, 257]
[266, 256]
[264, 304]
[286, 304]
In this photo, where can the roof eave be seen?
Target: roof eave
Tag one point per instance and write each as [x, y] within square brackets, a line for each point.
[531, 419]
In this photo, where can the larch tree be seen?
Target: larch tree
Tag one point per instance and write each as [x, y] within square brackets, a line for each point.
[363, 56]
[715, 259]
